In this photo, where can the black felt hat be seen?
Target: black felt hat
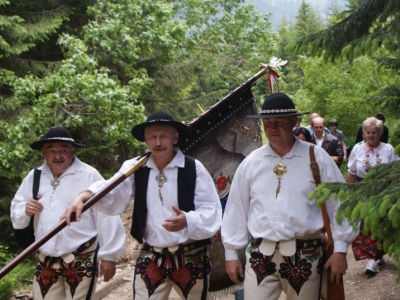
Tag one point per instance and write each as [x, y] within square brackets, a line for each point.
[276, 105]
[56, 134]
[159, 117]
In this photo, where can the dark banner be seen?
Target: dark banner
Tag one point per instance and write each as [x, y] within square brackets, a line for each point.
[221, 138]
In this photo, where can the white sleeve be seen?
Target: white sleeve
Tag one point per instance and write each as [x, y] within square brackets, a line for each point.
[205, 220]
[111, 234]
[234, 231]
[117, 200]
[352, 162]
[342, 234]
[18, 204]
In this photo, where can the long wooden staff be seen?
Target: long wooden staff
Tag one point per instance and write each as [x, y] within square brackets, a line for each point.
[11, 265]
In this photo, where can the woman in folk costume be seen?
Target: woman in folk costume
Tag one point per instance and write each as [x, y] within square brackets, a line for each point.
[363, 157]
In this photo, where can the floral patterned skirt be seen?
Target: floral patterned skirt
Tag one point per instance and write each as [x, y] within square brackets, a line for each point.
[364, 247]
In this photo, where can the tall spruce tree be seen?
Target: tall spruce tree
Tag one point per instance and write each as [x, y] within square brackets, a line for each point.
[307, 22]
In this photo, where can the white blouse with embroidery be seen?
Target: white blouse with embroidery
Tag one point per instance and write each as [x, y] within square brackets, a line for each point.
[364, 158]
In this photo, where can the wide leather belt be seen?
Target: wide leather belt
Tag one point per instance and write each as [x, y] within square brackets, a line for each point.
[176, 249]
[69, 257]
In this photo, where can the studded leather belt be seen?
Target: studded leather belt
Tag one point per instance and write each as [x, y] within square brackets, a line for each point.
[177, 249]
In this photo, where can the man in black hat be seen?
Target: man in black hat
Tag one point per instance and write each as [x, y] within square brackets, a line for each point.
[66, 265]
[176, 211]
[268, 206]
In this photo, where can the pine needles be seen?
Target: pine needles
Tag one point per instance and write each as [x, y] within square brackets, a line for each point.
[375, 201]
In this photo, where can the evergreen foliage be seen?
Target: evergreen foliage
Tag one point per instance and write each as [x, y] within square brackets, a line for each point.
[374, 201]
[307, 22]
[29, 30]
[374, 24]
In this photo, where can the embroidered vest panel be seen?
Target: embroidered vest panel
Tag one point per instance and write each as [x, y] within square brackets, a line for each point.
[186, 188]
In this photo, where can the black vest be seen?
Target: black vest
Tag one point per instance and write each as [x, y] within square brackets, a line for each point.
[186, 188]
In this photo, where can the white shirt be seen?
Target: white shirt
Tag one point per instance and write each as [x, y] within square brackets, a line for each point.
[203, 222]
[362, 158]
[76, 178]
[320, 140]
[253, 210]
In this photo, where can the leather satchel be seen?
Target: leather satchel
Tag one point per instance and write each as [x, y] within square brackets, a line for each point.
[328, 290]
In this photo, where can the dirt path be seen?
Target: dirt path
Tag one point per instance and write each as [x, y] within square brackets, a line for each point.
[357, 285]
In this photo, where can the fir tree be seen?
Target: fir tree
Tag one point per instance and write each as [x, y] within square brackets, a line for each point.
[307, 22]
[373, 24]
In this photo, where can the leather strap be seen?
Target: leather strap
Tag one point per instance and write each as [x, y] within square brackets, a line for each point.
[36, 183]
[35, 191]
[317, 179]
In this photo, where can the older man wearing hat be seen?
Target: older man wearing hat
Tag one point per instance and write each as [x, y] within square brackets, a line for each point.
[268, 206]
[66, 265]
[176, 211]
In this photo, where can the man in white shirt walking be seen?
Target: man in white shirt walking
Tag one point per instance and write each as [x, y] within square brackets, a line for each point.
[176, 211]
[66, 265]
[268, 205]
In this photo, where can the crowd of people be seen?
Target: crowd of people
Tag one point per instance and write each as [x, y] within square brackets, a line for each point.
[177, 211]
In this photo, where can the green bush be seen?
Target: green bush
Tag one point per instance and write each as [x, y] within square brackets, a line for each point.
[20, 276]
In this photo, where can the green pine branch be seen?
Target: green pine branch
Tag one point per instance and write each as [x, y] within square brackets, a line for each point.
[375, 23]
[374, 201]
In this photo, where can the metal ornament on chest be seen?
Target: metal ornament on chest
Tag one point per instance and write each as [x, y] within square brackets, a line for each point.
[55, 182]
[161, 179]
[280, 170]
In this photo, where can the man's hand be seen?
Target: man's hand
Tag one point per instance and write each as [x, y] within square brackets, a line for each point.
[177, 223]
[235, 270]
[33, 207]
[107, 269]
[338, 265]
[76, 207]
